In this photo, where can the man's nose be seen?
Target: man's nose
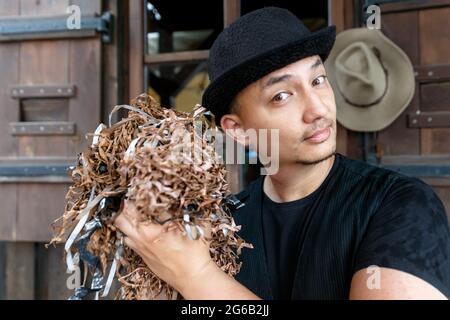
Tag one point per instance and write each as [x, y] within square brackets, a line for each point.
[314, 108]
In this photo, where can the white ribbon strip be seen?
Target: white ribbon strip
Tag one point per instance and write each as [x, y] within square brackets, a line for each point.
[112, 272]
[131, 148]
[76, 231]
[124, 106]
[96, 137]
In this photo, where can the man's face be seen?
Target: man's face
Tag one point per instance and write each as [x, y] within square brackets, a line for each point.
[299, 101]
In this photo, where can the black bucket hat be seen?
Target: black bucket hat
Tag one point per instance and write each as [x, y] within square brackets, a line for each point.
[255, 45]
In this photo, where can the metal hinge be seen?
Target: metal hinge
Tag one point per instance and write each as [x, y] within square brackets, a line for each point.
[36, 28]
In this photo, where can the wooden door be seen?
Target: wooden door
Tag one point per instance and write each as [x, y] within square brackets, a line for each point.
[50, 93]
[417, 143]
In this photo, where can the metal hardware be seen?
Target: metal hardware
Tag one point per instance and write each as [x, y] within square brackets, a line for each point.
[39, 91]
[26, 28]
[429, 119]
[42, 128]
[418, 170]
[33, 170]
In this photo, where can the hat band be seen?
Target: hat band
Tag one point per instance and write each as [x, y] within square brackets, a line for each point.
[378, 55]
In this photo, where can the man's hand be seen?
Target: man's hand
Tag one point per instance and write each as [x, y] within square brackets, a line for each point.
[184, 264]
[165, 249]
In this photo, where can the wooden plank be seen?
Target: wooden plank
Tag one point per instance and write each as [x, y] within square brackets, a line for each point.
[88, 6]
[231, 11]
[413, 5]
[110, 82]
[398, 139]
[9, 111]
[435, 141]
[403, 29]
[435, 159]
[435, 96]
[51, 276]
[43, 7]
[437, 182]
[349, 13]
[176, 57]
[337, 14]
[8, 192]
[19, 275]
[136, 45]
[434, 119]
[434, 26]
[85, 74]
[43, 62]
[45, 203]
[432, 73]
[9, 68]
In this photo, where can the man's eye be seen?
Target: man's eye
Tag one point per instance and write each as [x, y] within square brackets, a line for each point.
[319, 80]
[280, 96]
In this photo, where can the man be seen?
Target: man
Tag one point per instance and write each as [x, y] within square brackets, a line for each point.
[322, 226]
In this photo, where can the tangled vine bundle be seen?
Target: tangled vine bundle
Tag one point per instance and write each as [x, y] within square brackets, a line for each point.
[164, 162]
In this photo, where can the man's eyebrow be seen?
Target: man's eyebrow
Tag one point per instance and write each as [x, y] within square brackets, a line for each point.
[275, 80]
[316, 64]
[285, 77]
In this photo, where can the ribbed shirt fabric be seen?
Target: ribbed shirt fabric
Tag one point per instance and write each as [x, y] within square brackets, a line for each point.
[361, 215]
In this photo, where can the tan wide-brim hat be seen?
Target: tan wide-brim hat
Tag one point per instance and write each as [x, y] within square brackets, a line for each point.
[372, 79]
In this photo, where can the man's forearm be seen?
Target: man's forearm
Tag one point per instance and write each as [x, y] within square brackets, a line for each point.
[214, 284]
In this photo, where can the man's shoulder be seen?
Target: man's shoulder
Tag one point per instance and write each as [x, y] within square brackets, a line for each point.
[363, 172]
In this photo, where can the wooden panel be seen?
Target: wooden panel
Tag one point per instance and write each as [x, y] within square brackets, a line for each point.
[51, 276]
[45, 203]
[231, 11]
[19, 271]
[435, 141]
[9, 67]
[43, 62]
[337, 14]
[85, 74]
[397, 139]
[403, 29]
[435, 97]
[434, 27]
[136, 54]
[43, 7]
[88, 6]
[8, 192]
[173, 57]
[413, 5]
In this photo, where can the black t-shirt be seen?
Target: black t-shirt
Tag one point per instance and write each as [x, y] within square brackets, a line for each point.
[360, 216]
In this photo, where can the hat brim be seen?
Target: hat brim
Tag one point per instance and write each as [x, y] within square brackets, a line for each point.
[400, 90]
[221, 92]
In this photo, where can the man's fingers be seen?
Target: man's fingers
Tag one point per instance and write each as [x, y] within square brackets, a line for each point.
[123, 223]
[130, 243]
[137, 231]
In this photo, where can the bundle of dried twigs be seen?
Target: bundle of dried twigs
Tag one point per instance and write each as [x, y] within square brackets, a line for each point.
[164, 162]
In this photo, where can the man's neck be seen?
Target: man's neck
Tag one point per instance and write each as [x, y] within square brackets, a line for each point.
[296, 181]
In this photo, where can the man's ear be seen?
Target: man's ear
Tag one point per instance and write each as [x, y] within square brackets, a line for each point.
[232, 126]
